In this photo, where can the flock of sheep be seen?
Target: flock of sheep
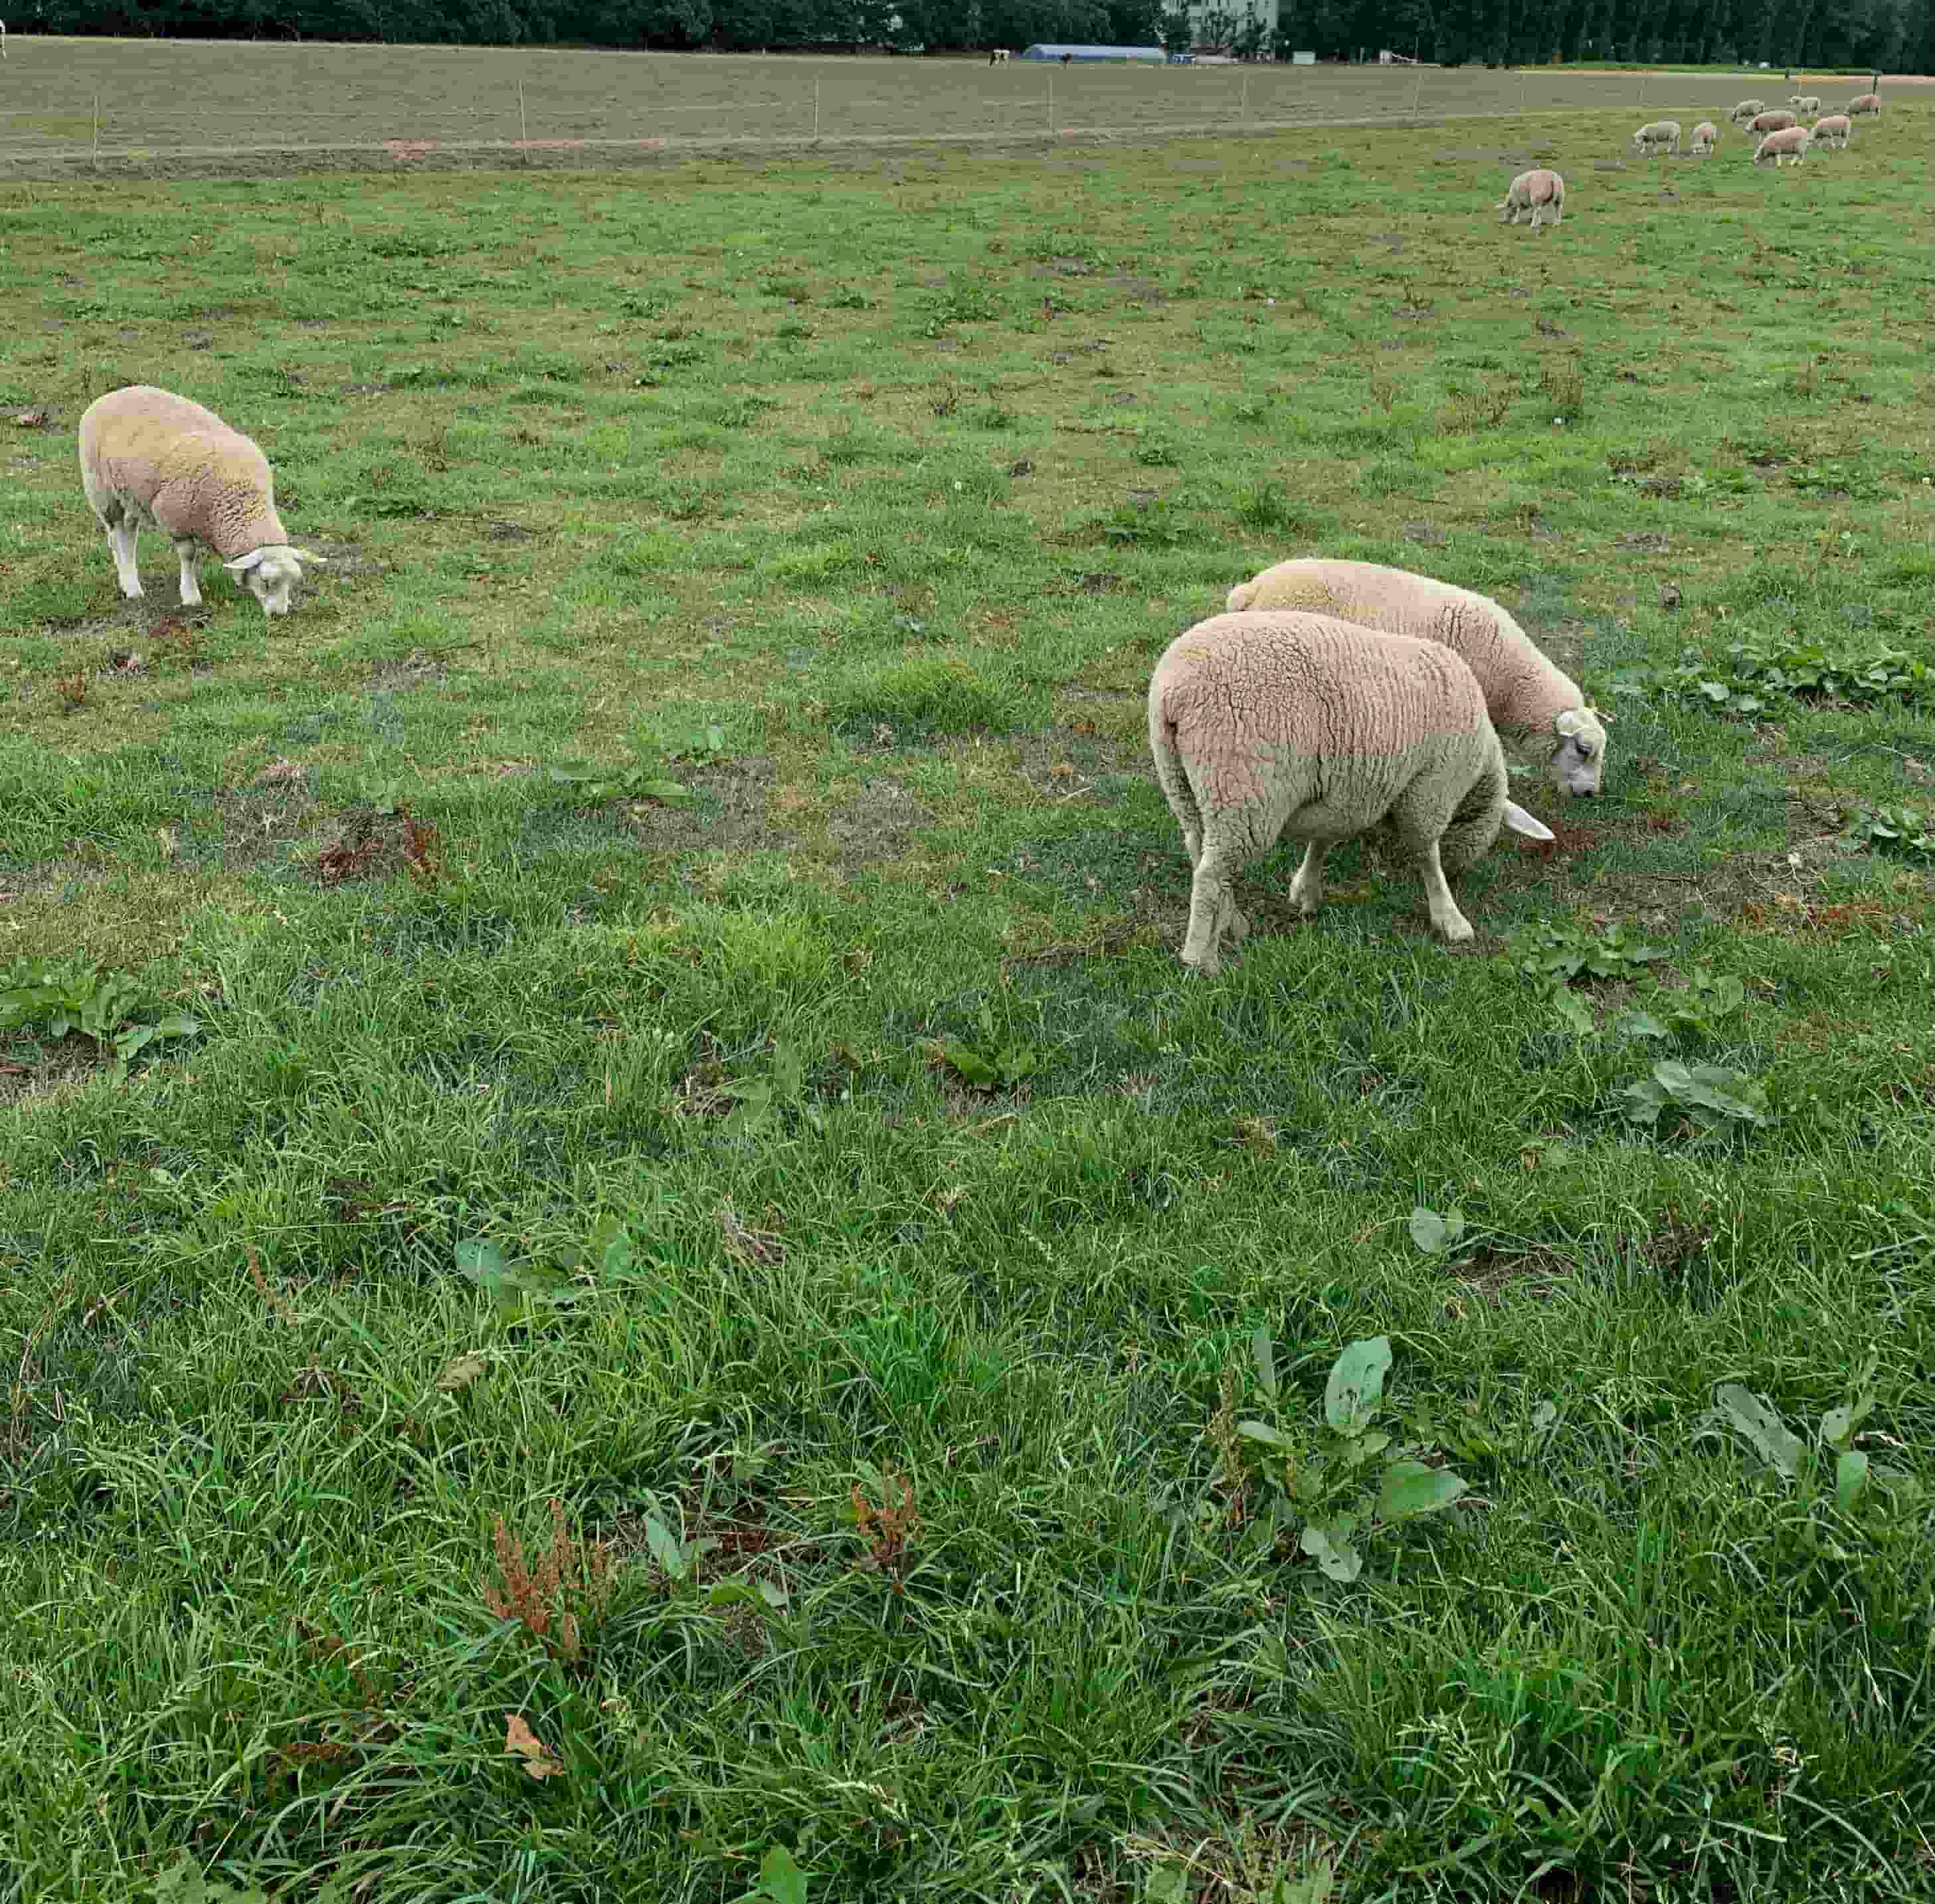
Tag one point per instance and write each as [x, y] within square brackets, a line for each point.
[1332, 699]
[1782, 137]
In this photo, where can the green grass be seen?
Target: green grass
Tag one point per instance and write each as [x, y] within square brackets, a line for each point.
[900, 480]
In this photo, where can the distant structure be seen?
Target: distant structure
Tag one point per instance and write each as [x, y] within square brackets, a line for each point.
[1152, 56]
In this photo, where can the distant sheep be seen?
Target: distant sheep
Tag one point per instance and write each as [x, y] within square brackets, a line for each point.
[149, 457]
[1746, 109]
[1542, 192]
[1864, 103]
[1790, 142]
[1661, 132]
[1804, 102]
[1837, 129]
[1706, 136]
[999, 57]
[1266, 725]
[1771, 122]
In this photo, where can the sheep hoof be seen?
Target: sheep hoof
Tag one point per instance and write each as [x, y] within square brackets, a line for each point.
[1455, 930]
[1208, 966]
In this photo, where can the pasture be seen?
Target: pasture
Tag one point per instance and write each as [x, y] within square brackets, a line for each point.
[639, 1032]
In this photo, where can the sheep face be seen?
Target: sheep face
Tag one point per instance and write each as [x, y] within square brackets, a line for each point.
[1578, 762]
[271, 575]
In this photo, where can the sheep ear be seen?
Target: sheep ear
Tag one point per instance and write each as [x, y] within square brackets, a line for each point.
[1520, 821]
[1240, 597]
[1568, 724]
[243, 564]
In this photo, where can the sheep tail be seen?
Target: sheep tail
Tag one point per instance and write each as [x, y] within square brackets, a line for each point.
[1169, 772]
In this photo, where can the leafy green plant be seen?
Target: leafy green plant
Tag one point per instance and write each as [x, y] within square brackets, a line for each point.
[998, 1067]
[1324, 1494]
[632, 783]
[108, 1007]
[1555, 953]
[1156, 524]
[1902, 830]
[1262, 506]
[667, 740]
[1694, 1010]
[1709, 1096]
[1829, 1469]
[1436, 1236]
[781, 1881]
[1754, 673]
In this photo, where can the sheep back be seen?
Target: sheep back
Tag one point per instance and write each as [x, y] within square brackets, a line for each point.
[1262, 722]
[186, 470]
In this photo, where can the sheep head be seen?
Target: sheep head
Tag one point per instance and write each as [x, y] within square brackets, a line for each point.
[270, 574]
[1578, 761]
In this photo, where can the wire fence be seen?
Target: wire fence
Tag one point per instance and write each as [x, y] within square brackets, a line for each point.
[411, 105]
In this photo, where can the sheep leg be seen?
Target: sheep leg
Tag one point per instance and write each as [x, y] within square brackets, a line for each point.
[1210, 908]
[191, 589]
[1306, 889]
[1446, 919]
[121, 541]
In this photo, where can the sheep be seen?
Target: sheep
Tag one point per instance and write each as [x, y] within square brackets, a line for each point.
[1265, 724]
[148, 457]
[1531, 701]
[1706, 136]
[1746, 109]
[998, 57]
[1790, 142]
[1540, 192]
[1660, 132]
[1837, 129]
[1804, 102]
[1863, 103]
[1771, 122]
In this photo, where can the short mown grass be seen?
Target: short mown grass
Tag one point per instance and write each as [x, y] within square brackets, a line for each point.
[679, 939]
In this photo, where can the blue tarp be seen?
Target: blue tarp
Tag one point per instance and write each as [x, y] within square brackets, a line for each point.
[1155, 53]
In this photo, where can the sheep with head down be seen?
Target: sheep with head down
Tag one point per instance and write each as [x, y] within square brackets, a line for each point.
[1532, 701]
[1267, 724]
[149, 458]
[1542, 192]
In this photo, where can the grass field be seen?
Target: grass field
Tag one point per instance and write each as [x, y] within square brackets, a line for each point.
[183, 107]
[919, 1302]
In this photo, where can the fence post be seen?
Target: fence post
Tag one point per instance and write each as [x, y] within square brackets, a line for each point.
[1051, 103]
[1415, 92]
[1243, 111]
[96, 131]
[816, 108]
[523, 126]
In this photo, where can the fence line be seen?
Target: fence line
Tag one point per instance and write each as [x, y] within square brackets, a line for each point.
[1214, 101]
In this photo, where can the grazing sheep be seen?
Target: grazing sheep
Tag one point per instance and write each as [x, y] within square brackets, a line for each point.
[1864, 102]
[1661, 132]
[1771, 122]
[148, 457]
[1540, 192]
[1790, 142]
[1837, 129]
[999, 57]
[1746, 109]
[1706, 136]
[1531, 701]
[1266, 725]
[1804, 102]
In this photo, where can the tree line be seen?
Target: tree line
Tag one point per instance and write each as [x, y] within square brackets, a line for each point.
[1881, 35]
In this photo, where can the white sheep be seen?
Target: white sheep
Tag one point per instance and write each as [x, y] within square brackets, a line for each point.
[1267, 724]
[1804, 102]
[149, 458]
[1706, 136]
[1864, 103]
[1771, 122]
[999, 57]
[1540, 192]
[1660, 132]
[1746, 109]
[1790, 142]
[1532, 701]
[1837, 129]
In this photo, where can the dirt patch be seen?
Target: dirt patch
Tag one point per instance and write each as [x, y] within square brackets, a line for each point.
[376, 845]
[1491, 1276]
[509, 532]
[880, 823]
[1426, 535]
[420, 668]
